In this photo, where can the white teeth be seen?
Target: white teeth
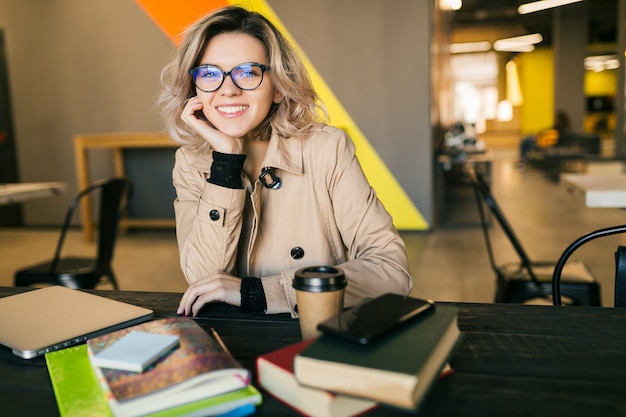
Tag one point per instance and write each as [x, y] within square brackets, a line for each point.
[232, 109]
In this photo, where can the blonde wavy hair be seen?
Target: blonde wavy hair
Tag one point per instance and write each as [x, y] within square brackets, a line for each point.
[300, 107]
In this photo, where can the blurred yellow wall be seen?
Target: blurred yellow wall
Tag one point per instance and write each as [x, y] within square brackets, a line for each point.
[602, 83]
[536, 71]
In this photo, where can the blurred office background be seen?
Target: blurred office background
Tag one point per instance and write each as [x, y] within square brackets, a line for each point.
[401, 70]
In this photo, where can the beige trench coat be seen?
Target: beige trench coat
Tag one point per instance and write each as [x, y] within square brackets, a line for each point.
[325, 213]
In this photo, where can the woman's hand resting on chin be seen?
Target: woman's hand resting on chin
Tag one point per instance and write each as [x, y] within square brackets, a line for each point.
[218, 141]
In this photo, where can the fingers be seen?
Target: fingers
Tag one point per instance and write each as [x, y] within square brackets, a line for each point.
[219, 287]
[197, 295]
[218, 141]
[190, 116]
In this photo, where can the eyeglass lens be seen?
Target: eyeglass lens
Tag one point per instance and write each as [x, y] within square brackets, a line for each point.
[209, 78]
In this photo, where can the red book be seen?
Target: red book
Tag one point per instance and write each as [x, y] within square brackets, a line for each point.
[275, 375]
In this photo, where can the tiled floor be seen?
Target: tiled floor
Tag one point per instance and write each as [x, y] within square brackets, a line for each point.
[449, 264]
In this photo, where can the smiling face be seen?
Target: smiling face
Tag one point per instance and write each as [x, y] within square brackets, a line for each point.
[231, 110]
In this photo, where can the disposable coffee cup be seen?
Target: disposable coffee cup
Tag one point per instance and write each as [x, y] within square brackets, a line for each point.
[319, 294]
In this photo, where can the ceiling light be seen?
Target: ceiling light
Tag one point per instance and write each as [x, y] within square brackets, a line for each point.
[468, 47]
[542, 5]
[518, 44]
[451, 4]
[601, 63]
[513, 48]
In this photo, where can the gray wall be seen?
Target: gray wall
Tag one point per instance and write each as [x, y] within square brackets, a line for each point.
[79, 66]
[375, 56]
[570, 50]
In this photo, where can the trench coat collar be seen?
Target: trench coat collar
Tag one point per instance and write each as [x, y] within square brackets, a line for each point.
[284, 154]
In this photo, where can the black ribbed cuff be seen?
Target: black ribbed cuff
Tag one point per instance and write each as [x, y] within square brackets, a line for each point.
[226, 170]
[252, 295]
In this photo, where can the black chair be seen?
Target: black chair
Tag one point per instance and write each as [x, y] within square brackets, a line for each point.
[529, 281]
[81, 272]
[620, 265]
[620, 277]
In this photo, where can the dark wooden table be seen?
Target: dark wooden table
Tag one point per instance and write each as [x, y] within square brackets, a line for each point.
[514, 360]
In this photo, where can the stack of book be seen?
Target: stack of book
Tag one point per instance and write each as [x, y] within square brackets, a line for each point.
[275, 375]
[119, 374]
[329, 376]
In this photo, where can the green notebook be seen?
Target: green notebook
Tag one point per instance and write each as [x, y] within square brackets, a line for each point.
[75, 385]
[397, 370]
[79, 394]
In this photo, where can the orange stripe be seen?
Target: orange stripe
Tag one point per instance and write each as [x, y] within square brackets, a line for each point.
[173, 18]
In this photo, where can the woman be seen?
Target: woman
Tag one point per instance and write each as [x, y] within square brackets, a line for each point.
[263, 186]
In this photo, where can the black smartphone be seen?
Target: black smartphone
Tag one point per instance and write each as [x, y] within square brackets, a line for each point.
[374, 317]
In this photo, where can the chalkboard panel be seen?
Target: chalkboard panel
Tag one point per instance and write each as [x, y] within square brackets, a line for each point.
[150, 171]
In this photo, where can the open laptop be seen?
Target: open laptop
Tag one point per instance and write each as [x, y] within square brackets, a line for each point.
[52, 318]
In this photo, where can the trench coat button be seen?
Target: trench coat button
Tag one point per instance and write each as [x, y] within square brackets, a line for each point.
[297, 252]
[214, 215]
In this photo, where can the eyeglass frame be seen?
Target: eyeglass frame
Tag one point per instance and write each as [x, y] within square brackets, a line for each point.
[225, 74]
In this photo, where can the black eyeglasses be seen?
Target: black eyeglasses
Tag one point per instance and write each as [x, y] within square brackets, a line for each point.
[209, 78]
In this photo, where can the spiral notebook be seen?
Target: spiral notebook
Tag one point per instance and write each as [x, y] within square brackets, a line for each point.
[44, 320]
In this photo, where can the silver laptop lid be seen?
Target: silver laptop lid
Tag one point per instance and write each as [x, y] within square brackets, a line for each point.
[43, 320]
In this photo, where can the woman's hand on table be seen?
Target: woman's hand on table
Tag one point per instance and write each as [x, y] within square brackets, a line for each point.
[217, 287]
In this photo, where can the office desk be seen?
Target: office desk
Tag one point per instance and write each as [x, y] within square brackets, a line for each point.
[514, 360]
[26, 191]
[598, 190]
